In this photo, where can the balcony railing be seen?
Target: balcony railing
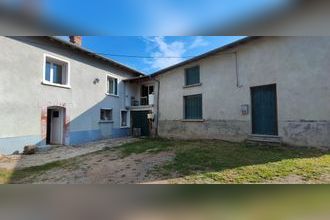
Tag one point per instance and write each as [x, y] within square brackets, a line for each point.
[143, 101]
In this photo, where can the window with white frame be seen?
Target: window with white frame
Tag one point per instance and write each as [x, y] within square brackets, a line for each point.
[106, 115]
[56, 71]
[124, 118]
[112, 85]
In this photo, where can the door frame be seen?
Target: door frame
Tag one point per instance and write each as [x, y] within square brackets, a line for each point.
[62, 114]
[276, 108]
[148, 122]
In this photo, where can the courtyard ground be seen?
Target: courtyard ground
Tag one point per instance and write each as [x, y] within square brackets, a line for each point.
[173, 161]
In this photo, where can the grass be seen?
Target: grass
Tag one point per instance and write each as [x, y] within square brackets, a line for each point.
[146, 145]
[210, 161]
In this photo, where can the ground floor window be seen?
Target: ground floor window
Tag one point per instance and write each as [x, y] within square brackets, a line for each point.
[193, 107]
[124, 118]
[106, 114]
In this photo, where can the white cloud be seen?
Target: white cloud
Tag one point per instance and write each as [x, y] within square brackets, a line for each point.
[164, 54]
[198, 42]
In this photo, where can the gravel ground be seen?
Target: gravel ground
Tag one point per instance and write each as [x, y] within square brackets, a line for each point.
[58, 153]
[105, 167]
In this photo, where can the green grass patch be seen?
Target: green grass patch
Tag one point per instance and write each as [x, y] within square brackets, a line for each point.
[223, 162]
[146, 145]
[31, 172]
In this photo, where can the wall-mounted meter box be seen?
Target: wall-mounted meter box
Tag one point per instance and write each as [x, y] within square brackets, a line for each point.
[245, 109]
[151, 116]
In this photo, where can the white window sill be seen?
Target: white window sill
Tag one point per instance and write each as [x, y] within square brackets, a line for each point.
[193, 120]
[113, 95]
[56, 85]
[110, 121]
[124, 126]
[193, 85]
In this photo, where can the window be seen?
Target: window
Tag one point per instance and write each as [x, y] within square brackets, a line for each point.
[106, 115]
[193, 107]
[123, 119]
[112, 86]
[146, 90]
[56, 71]
[192, 76]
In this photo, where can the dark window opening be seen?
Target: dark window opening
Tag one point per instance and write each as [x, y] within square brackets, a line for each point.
[193, 107]
[192, 76]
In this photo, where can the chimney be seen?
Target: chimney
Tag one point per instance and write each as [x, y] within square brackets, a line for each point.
[77, 40]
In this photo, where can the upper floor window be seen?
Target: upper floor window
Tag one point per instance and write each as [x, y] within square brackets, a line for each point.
[192, 76]
[56, 71]
[112, 85]
[146, 90]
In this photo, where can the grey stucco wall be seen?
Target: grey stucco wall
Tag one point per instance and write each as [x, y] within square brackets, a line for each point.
[299, 66]
[23, 96]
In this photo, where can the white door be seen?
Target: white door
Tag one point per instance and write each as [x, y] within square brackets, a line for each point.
[56, 136]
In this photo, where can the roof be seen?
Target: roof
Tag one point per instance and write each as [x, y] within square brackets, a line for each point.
[207, 54]
[94, 55]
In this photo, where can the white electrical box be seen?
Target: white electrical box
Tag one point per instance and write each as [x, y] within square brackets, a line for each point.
[151, 116]
[151, 99]
[245, 109]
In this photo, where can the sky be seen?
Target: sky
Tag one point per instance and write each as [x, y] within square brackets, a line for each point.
[154, 17]
[114, 27]
[149, 54]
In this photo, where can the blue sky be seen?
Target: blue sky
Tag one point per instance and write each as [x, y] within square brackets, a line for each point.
[154, 17]
[153, 53]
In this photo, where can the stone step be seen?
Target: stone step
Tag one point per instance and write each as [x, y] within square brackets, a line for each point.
[265, 139]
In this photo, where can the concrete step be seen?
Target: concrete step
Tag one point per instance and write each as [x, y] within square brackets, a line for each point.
[264, 139]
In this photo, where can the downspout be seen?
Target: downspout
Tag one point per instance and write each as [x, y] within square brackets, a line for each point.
[158, 89]
[237, 70]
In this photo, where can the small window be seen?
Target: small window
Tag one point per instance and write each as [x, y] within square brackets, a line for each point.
[193, 107]
[192, 76]
[123, 117]
[56, 71]
[106, 115]
[112, 85]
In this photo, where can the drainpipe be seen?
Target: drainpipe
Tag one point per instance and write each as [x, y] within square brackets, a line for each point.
[237, 70]
[158, 88]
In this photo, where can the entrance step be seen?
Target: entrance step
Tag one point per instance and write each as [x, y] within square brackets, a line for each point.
[264, 139]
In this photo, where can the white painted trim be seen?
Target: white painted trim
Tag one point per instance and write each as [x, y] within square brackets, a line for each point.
[128, 118]
[106, 81]
[68, 72]
[55, 84]
[108, 94]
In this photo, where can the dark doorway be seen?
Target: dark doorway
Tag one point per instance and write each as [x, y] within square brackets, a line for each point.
[49, 112]
[264, 110]
[55, 125]
[140, 120]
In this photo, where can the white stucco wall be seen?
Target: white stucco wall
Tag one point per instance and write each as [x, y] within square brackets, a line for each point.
[298, 65]
[23, 95]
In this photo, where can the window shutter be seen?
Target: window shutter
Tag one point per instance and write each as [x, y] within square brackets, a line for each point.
[193, 107]
[192, 75]
[116, 86]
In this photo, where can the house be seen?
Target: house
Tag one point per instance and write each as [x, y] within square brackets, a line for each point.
[56, 92]
[274, 89]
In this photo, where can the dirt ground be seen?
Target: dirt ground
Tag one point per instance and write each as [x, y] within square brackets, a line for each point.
[56, 153]
[105, 167]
